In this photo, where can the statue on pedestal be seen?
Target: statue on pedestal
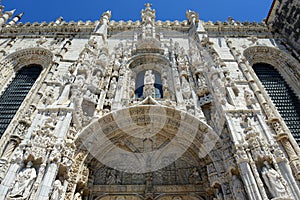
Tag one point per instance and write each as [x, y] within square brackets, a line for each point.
[149, 81]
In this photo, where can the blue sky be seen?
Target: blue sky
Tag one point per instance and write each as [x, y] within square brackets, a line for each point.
[214, 10]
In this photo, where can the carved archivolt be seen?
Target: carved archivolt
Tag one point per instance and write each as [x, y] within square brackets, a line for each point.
[159, 134]
[19, 59]
[283, 62]
[119, 197]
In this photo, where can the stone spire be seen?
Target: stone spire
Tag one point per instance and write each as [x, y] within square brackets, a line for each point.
[148, 19]
[16, 19]
[148, 15]
[6, 16]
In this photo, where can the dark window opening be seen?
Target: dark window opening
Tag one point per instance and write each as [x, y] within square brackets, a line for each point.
[13, 96]
[286, 101]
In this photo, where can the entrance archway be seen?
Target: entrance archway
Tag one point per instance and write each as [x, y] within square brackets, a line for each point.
[147, 150]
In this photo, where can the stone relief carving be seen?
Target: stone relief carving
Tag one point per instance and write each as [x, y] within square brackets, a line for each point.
[149, 80]
[57, 190]
[24, 182]
[94, 73]
[238, 188]
[273, 181]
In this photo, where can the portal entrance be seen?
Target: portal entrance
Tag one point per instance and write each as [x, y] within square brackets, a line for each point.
[147, 152]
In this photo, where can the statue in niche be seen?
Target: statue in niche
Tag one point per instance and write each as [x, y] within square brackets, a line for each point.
[57, 190]
[249, 98]
[218, 194]
[91, 96]
[273, 181]
[201, 80]
[186, 91]
[112, 88]
[149, 80]
[24, 182]
[77, 196]
[238, 188]
[96, 79]
[48, 98]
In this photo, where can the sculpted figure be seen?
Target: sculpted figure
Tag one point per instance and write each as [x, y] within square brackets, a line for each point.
[273, 181]
[112, 88]
[238, 188]
[57, 190]
[149, 77]
[77, 196]
[149, 80]
[218, 193]
[24, 182]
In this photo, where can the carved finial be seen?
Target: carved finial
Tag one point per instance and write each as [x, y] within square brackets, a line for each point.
[10, 13]
[148, 15]
[148, 6]
[16, 19]
[59, 20]
[192, 16]
[105, 17]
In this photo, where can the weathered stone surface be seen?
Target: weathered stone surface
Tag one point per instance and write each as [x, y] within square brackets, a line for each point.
[149, 109]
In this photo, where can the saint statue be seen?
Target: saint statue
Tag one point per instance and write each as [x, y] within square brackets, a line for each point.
[24, 182]
[149, 80]
[57, 190]
[238, 188]
[77, 196]
[149, 77]
[273, 181]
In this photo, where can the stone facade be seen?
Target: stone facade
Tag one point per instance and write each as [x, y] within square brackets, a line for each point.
[284, 21]
[146, 110]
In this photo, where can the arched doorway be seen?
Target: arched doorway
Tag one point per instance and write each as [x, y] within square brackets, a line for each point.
[147, 150]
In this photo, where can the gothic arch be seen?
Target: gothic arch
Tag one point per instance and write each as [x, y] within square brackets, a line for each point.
[287, 66]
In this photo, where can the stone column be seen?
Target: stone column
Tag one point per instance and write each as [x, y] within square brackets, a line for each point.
[52, 168]
[48, 179]
[4, 158]
[9, 179]
[289, 145]
[251, 186]
[16, 164]
[286, 172]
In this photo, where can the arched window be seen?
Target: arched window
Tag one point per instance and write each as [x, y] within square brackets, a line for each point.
[287, 103]
[141, 80]
[15, 93]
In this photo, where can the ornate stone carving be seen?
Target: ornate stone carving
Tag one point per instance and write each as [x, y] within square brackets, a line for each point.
[238, 188]
[57, 190]
[149, 81]
[112, 88]
[274, 182]
[24, 182]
